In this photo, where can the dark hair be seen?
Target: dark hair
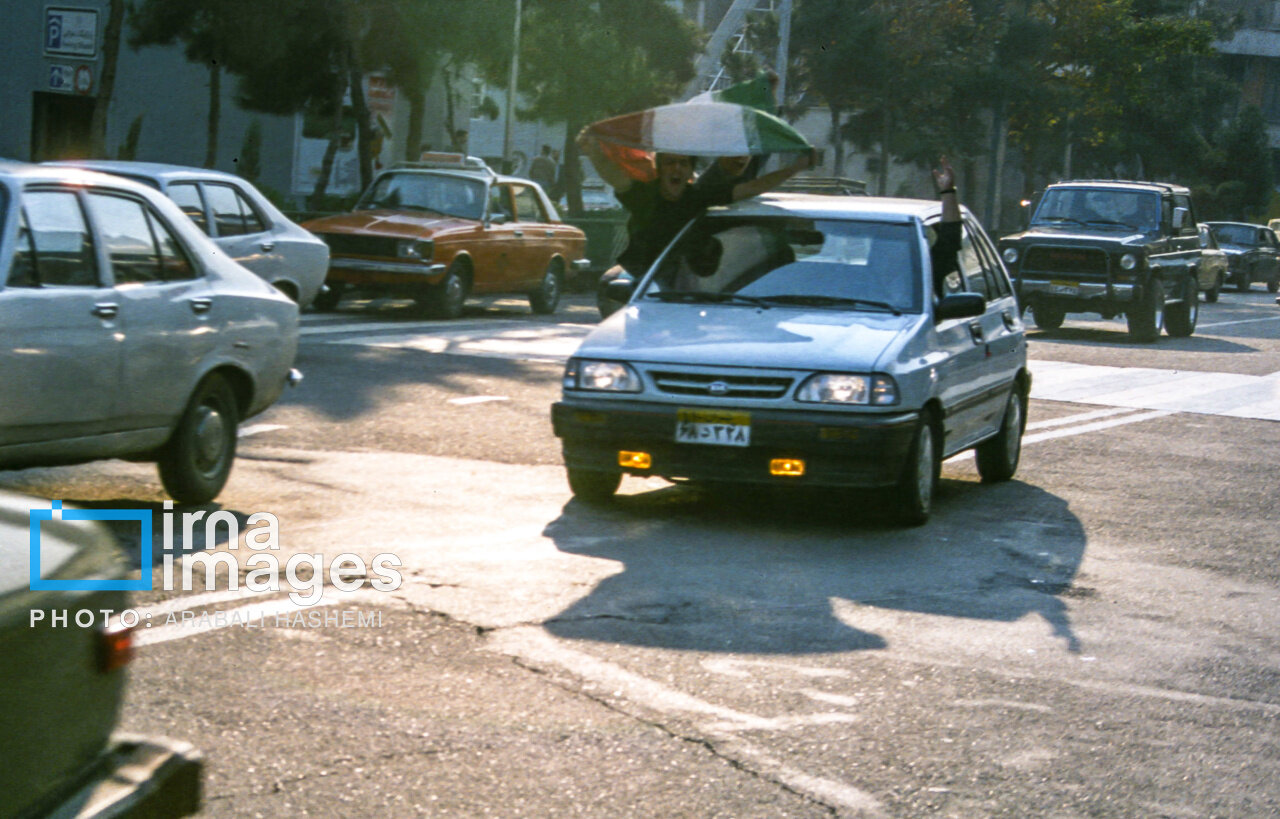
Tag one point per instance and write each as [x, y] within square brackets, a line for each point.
[546, 149]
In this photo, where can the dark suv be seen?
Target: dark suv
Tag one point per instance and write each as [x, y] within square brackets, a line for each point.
[1110, 247]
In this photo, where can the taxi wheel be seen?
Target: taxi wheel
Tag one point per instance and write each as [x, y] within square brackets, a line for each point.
[916, 488]
[997, 458]
[593, 486]
[446, 299]
[196, 461]
[547, 296]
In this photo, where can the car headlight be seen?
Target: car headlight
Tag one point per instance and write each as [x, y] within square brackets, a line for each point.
[414, 249]
[1128, 261]
[1010, 255]
[839, 388]
[601, 376]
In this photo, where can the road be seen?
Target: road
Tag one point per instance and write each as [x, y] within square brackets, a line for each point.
[1095, 638]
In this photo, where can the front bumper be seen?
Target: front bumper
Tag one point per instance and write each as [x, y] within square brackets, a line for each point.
[838, 448]
[1033, 288]
[140, 776]
[364, 272]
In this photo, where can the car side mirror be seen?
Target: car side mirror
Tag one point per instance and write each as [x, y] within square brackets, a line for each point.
[620, 289]
[959, 305]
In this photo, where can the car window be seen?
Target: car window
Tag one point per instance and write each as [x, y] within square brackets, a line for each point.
[837, 263]
[528, 206]
[500, 201]
[442, 193]
[232, 215]
[998, 285]
[174, 264]
[187, 196]
[55, 247]
[1234, 234]
[971, 267]
[126, 232]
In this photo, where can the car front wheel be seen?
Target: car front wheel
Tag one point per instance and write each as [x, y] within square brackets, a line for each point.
[1180, 319]
[919, 481]
[1211, 295]
[1146, 318]
[446, 299]
[1048, 316]
[997, 458]
[197, 459]
[591, 485]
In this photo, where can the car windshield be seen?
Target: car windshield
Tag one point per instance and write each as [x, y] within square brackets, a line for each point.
[1236, 234]
[1137, 210]
[441, 193]
[839, 264]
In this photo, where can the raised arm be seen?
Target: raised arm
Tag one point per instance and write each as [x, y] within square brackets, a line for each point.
[762, 184]
[609, 172]
[944, 179]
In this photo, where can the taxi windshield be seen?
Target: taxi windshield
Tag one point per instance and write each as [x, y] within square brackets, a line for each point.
[441, 193]
[794, 261]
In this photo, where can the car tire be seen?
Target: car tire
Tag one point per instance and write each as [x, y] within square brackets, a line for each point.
[446, 299]
[1180, 319]
[919, 482]
[544, 300]
[1211, 295]
[997, 458]
[1273, 286]
[1146, 318]
[1244, 282]
[1048, 316]
[196, 460]
[326, 301]
[592, 485]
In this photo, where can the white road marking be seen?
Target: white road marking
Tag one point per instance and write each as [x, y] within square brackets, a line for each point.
[1079, 429]
[721, 723]
[1079, 417]
[258, 429]
[468, 400]
[1238, 321]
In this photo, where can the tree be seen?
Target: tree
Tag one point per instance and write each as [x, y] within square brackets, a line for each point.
[107, 82]
[625, 55]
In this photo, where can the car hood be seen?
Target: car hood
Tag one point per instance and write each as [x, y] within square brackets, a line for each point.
[397, 223]
[1074, 233]
[742, 336]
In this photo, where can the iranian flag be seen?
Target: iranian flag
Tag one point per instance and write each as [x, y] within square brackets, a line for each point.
[702, 129]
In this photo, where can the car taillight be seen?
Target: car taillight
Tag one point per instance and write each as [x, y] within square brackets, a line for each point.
[115, 646]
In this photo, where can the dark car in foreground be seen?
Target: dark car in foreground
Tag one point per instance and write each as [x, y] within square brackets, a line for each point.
[1110, 247]
[1253, 254]
[129, 334]
[63, 683]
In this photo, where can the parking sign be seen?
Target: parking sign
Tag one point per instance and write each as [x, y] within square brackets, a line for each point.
[70, 32]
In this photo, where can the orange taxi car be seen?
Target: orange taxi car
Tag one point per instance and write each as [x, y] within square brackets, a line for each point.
[440, 231]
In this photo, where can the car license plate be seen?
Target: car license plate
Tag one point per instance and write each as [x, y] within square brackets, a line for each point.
[713, 427]
[1065, 288]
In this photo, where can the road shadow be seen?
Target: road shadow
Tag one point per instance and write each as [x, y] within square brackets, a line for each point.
[760, 572]
[1117, 339]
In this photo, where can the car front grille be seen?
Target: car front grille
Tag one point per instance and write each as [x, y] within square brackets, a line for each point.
[345, 244]
[1078, 262]
[721, 386]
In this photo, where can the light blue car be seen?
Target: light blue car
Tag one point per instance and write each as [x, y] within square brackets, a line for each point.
[803, 340]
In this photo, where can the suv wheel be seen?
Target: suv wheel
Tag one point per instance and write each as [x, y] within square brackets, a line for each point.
[593, 486]
[1211, 295]
[1180, 319]
[1146, 318]
[997, 458]
[1244, 281]
[1273, 286]
[1048, 316]
[919, 481]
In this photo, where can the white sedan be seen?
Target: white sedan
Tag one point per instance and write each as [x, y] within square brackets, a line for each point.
[239, 219]
[127, 333]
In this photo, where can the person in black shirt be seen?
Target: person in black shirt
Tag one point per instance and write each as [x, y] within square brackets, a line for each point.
[659, 208]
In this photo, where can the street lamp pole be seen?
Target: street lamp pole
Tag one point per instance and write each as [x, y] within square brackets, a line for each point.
[511, 94]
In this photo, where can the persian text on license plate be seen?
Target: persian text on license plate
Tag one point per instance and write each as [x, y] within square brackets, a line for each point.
[1065, 288]
[713, 427]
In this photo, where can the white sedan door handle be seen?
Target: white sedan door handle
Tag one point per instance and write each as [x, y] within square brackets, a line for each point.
[267, 247]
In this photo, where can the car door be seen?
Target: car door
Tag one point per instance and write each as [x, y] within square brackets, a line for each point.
[493, 254]
[534, 239]
[1268, 269]
[172, 316]
[244, 233]
[61, 371]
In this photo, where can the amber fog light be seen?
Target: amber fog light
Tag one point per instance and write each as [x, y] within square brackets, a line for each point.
[634, 460]
[786, 467]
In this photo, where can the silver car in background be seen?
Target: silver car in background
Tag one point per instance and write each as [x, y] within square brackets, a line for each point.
[239, 219]
[803, 340]
[127, 333]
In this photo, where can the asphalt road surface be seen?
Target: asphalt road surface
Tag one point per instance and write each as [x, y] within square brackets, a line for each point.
[1097, 638]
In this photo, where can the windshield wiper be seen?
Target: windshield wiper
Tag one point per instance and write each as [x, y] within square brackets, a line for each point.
[1112, 222]
[693, 297]
[1057, 219]
[832, 301]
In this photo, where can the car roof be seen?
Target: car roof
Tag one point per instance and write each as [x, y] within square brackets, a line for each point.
[1130, 184]
[153, 170]
[26, 172]
[1215, 223]
[461, 173]
[877, 208]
